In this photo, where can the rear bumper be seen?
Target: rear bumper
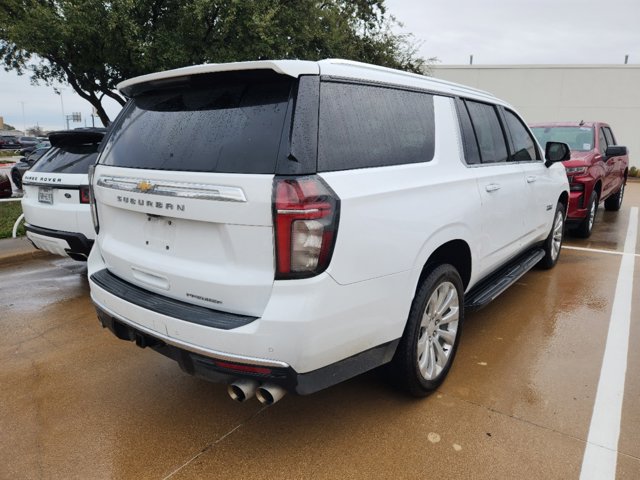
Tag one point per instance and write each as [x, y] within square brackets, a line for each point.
[74, 245]
[314, 327]
[224, 368]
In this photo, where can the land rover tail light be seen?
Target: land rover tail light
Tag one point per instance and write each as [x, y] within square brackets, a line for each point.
[85, 195]
[305, 214]
[92, 200]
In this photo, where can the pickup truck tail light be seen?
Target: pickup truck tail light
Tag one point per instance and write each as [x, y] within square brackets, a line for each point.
[305, 217]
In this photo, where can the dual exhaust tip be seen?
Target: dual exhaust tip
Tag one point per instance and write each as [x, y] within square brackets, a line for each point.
[244, 389]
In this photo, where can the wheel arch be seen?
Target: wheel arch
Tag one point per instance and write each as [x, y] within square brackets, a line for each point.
[564, 200]
[454, 252]
[598, 188]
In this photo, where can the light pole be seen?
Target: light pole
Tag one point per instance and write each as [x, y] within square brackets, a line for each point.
[64, 118]
[24, 122]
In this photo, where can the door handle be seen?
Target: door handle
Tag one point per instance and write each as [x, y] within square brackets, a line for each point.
[492, 187]
[531, 178]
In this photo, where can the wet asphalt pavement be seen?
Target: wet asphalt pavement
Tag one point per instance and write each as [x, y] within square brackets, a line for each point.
[75, 402]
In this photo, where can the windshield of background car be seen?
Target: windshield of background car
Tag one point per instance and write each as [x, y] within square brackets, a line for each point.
[68, 159]
[228, 124]
[579, 139]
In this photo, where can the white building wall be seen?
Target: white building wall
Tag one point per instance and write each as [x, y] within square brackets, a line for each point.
[609, 93]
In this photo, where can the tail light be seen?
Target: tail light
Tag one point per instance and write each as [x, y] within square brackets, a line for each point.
[85, 195]
[305, 214]
[92, 200]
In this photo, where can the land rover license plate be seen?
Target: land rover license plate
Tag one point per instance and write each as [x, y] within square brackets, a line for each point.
[45, 195]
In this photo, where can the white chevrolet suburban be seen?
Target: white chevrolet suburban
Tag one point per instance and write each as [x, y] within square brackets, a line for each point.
[286, 225]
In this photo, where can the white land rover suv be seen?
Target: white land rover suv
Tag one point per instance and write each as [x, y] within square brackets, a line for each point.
[286, 225]
[56, 194]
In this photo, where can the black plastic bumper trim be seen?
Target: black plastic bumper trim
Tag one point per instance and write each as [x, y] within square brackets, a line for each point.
[168, 306]
[78, 243]
[205, 367]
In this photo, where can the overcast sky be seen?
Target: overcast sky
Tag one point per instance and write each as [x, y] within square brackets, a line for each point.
[494, 31]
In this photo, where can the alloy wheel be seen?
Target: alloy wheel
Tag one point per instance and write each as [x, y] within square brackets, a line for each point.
[438, 330]
[592, 214]
[620, 195]
[558, 231]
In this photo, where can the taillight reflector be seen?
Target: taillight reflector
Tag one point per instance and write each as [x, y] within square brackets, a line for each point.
[243, 368]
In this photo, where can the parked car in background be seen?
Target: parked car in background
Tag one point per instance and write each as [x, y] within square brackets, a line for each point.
[597, 170]
[9, 142]
[56, 194]
[5, 186]
[27, 150]
[25, 163]
[28, 141]
[329, 222]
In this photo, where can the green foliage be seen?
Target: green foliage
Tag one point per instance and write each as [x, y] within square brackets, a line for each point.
[633, 172]
[94, 44]
[9, 213]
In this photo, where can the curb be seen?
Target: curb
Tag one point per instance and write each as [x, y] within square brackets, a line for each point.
[21, 253]
[20, 257]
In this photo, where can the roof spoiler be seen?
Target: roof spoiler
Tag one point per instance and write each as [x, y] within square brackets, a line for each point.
[76, 137]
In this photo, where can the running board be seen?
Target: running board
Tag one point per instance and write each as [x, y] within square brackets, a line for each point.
[488, 289]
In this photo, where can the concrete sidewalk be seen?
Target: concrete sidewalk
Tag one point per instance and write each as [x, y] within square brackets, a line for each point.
[14, 250]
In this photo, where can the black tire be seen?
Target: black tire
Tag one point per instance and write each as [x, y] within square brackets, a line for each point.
[405, 369]
[553, 244]
[17, 179]
[614, 202]
[586, 227]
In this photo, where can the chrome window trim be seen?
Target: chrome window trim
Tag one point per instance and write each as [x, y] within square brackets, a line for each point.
[166, 188]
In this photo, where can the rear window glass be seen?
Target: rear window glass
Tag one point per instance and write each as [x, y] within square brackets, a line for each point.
[578, 138]
[228, 126]
[68, 159]
[368, 126]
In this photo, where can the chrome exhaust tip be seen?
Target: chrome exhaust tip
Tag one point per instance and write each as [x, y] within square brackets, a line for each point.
[242, 389]
[269, 394]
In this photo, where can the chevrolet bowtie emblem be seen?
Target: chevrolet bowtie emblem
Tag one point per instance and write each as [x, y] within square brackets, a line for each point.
[145, 186]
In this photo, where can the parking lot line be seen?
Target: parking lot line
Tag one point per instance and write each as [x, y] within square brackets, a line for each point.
[596, 250]
[600, 456]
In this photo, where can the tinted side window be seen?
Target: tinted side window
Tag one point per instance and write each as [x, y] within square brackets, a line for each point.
[488, 132]
[471, 152]
[369, 126]
[68, 159]
[523, 145]
[602, 140]
[213, 123]
[609, 136]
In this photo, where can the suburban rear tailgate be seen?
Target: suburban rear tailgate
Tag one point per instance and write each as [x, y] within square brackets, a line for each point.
[184, 187]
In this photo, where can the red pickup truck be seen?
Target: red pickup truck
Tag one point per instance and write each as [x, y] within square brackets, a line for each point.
[597, 169]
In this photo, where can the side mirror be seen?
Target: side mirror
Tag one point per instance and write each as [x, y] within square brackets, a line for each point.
[556, 152]
[615, 151]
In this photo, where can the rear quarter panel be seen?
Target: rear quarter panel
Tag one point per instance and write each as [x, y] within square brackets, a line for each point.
[393, 218]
